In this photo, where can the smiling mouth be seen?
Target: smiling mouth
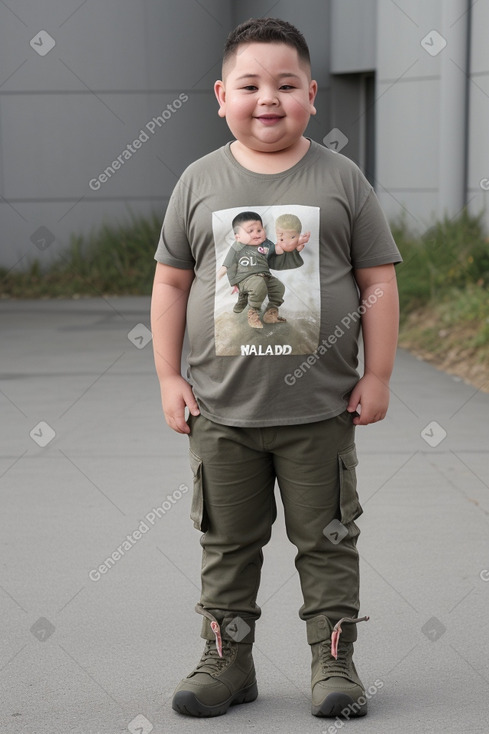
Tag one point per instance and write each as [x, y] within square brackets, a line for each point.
[269, 118]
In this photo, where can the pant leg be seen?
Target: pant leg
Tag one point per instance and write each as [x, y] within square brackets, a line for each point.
[276, 290]
[315, 467]
[256, 287]
[234, 506]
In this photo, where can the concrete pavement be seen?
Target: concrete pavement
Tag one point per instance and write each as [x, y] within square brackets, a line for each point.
[88, 470]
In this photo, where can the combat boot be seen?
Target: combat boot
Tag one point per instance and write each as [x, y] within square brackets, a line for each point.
[218, 682]
[254, 318]
[336, 687]
[271, 316]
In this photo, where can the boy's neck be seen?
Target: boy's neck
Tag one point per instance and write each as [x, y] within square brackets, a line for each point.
[276, 162]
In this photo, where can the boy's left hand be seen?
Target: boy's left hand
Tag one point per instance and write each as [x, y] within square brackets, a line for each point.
[370, 399]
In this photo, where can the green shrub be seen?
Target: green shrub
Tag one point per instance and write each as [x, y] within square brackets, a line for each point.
[453, 254]
[116, 260]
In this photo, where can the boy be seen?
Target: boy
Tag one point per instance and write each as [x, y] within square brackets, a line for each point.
[247, 265]
[248, 424]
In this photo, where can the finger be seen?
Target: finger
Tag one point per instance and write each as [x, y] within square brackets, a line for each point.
[353, 405]
[178, 423]
[191, 402]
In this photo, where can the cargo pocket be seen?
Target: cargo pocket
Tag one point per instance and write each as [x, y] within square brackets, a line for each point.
[350, 506]
[197, 511]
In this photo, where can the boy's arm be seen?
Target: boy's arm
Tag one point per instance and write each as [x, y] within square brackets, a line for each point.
[380, 325]
[231, 264]
[171, 287]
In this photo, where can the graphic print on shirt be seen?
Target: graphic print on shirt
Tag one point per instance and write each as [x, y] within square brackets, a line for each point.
[267, 300]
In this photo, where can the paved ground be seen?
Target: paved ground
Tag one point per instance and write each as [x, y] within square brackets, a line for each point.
[86, 460]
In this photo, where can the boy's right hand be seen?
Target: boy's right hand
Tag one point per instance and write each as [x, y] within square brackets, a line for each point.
[176, 395]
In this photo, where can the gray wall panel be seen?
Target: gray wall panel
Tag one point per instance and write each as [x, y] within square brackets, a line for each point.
[407, 135]
[75, 138]
[400, 30]
[60, 127]
[479, 135]
[353, 35]
[478, 163]
[479, 61]
[101, 46]
[185, 41]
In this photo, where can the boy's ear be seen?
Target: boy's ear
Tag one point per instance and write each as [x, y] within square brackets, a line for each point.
[220, 93]
[313, 90]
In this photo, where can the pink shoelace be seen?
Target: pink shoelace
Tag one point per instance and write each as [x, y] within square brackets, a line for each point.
[337, 630]
[214, 627]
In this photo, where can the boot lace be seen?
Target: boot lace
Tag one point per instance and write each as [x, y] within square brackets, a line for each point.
[211, 660]
[341, 666]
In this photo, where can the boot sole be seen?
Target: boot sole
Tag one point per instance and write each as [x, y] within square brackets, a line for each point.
[336, 703]
[187, 703]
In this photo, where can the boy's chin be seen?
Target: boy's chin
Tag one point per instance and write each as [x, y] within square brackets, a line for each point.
[270, 146]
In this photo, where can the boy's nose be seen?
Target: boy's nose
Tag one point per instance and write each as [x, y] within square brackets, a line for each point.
[268, 97]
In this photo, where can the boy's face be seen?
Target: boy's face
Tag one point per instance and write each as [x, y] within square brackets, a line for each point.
[251, 233]
[288, 239]
[266, 96]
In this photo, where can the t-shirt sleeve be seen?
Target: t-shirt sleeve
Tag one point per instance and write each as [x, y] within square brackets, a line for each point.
[372, 242]
[173, 247]
[230, 258]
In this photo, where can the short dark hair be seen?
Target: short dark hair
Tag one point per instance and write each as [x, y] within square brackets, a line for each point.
[243, 217]
[266, 30]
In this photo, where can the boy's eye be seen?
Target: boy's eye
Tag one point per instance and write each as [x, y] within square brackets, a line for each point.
[287, 86]
[250, 88]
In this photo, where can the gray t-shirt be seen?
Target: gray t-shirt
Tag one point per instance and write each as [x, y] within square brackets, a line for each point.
[301, 370]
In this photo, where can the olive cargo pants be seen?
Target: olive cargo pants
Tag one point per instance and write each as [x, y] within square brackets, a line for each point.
[234, 506]
[261, 285]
